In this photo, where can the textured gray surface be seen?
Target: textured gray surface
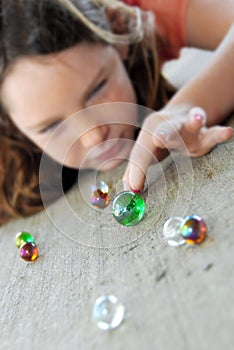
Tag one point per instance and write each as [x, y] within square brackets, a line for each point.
[175, 298]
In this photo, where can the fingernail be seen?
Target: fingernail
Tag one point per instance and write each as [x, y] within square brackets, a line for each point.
[136, 191]
[198, 116]
[136, 179]
[125, 186]
[161, 134]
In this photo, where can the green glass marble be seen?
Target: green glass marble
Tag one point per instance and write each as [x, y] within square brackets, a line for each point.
[23, 237]
[128, 208]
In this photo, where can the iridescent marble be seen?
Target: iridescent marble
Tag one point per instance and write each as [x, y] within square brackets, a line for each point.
[128, 208]
[29, 251]
[100, 198]
[171, 231]
[23, 237]
[108, 312]
[193, 229]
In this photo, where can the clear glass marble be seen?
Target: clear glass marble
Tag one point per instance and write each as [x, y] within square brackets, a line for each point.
[171, 231]
[108, 312]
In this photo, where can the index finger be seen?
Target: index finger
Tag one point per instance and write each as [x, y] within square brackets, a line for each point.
[143, 153]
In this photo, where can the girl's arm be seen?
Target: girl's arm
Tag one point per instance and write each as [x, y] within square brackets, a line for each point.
[178, 126]
[213, 88]
[210, 25]
[208, 21]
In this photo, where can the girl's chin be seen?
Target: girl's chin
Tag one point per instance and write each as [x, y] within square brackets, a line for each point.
[105, 166]
[101, 165]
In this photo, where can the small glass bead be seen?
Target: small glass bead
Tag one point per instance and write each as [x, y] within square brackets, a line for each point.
[128, 208]
[23, 237]
[193, 229]
[171, 231]
[100, 198]
[29, 251]
[108, 312]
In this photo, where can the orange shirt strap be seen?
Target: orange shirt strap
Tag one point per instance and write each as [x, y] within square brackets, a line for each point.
[170, 18]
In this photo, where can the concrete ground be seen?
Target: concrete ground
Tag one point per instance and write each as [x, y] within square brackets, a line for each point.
[175, 298]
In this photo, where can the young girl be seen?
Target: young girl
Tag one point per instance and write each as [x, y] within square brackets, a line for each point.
[59, 57]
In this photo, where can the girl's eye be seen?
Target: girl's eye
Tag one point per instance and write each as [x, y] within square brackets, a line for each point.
[50, 127]
[97, 88]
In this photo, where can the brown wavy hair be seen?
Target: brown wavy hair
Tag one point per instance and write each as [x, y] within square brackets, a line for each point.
[40, 27]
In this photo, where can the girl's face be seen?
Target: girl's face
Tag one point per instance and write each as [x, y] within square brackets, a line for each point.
[42, 92]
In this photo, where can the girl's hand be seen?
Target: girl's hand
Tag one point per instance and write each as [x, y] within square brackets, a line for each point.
[179, 129]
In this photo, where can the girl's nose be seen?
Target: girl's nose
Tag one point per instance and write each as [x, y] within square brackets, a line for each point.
[94, 136]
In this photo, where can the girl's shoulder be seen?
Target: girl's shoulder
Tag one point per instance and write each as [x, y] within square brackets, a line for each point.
[133, 2]
[170, 21]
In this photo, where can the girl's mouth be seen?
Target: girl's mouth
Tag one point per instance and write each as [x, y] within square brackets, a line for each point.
[115, 147]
